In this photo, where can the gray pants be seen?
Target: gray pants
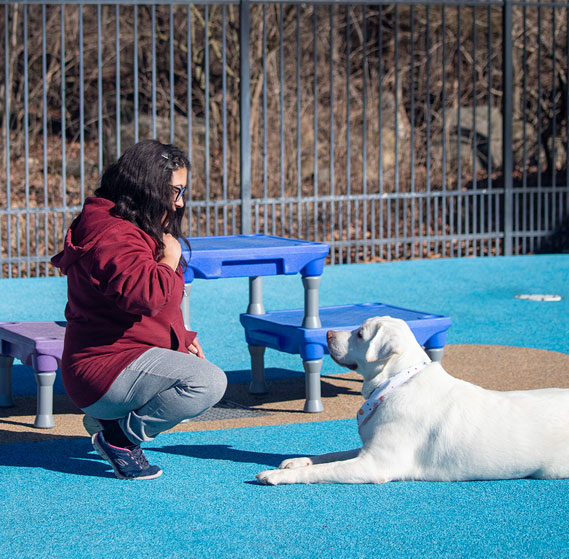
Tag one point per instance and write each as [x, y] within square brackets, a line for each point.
[159, 390]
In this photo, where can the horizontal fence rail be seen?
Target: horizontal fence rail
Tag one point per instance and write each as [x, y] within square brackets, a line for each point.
[389, 130]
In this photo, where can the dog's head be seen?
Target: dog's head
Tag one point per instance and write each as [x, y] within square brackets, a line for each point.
[381, 347]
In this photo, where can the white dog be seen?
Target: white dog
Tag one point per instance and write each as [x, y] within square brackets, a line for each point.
[419, 423]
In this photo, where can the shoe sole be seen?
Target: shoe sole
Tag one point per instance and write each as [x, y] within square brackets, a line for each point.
[104, 456]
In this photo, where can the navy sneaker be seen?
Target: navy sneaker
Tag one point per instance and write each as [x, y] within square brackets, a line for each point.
[128, 463]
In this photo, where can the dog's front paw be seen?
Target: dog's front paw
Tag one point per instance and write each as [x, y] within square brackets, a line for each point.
[274, 477]
[292, 463]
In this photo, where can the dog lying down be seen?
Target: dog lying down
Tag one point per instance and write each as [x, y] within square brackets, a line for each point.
[420, 423]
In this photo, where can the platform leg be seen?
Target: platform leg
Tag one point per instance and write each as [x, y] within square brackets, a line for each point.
[436, 353]
[256, 296]
[258, 384]
[311, 316]
[313, 402]
[186, 305]
[6, 399]
[44, 417]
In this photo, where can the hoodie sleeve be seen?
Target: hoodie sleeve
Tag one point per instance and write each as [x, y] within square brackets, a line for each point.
[126, 271]
[190, 337]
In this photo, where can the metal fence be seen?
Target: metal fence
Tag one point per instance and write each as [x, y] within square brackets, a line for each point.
[391, 130]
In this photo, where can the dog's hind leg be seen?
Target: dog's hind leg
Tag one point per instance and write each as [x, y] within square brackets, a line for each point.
[322, 459]
[355, 470]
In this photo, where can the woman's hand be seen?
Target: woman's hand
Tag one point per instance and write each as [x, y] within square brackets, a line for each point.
[196, 348]
[172, 251]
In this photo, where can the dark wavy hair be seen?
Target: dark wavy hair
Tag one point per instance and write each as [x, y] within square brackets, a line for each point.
[139, 185]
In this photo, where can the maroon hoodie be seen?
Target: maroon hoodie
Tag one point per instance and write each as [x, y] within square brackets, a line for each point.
[121, 301]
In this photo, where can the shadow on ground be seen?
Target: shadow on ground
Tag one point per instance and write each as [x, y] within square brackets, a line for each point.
[224, 452]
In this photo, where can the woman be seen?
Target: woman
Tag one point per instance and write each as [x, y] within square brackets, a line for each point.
[127, 359]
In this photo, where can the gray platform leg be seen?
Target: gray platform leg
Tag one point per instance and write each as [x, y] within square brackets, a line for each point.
[256, 296]
[436, 354]
[186, 305]
[44, 417]
[313, 402]
[258, 384]
[6, 399]
[311, 315]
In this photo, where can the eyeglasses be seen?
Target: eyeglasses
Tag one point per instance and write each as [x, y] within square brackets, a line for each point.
[179, 191]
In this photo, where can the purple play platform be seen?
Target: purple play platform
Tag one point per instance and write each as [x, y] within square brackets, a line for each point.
[39, 344]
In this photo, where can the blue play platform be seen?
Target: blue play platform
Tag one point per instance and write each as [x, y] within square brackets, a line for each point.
[233, 256]
[282, 330]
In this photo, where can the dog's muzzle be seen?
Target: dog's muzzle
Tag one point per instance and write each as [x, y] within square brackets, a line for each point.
[329, 337]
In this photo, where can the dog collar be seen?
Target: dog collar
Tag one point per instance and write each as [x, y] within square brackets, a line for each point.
[384, 390]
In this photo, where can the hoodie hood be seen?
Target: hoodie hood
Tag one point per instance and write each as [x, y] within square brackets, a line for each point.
[85, 230]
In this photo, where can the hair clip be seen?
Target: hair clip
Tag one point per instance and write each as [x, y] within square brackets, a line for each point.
[165, 155]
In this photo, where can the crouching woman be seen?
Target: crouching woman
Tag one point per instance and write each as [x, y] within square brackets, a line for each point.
[128, 360]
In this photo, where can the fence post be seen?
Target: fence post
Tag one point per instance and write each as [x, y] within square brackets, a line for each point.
[507, 135]
[245, 115]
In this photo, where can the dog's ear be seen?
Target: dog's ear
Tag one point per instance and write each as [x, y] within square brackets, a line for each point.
[381, 348]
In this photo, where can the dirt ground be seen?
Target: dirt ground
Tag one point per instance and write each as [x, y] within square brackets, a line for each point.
[493, 367]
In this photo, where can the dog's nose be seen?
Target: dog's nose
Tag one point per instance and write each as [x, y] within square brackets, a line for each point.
[330, 334]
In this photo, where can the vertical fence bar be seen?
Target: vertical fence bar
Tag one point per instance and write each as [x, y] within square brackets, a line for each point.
[553, 101]
[81, 108]
[315, 124]
[411, 218]
[44, 125]
[63, 123]
[99, 90]
[493, 218]
[118, 78]
[525, 198]
[281, 114]
[27, 66]
[507, 136]
[550, 218]
[245, 114]
[265, 114]
[444, 195]
[380, 210]
[207, 127]
[189, 110]
[171, 52]
[332, 140]
[153, 58]
[224, 114]
[364, 138]
[567, 118]
[396, 232]
[472, 202]
[539, 194]
[135, 100]
[428, 119]
[298, 129]
[348, 136]
[7, 91]
[456, 224]
[488, 227]
[26, 140]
